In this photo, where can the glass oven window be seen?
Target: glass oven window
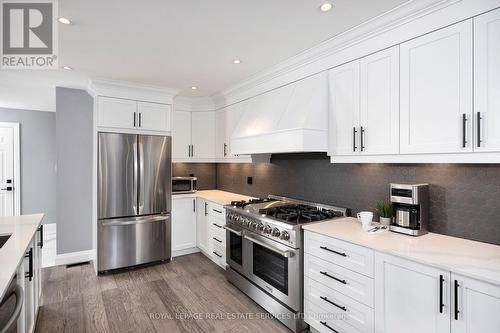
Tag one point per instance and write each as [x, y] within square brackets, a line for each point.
[271, 267]
[236, 248]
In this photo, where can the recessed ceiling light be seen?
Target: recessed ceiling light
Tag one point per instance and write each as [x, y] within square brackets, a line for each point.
[68, 68]
[63, 20]
[327, 6]
[194, 87]
[236, 61]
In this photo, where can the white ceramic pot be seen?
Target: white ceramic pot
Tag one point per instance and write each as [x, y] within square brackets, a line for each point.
[385, 220]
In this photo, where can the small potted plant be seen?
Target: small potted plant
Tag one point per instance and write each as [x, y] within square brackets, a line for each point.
[384, 211]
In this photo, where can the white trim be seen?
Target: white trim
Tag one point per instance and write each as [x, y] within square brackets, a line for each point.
[185, 252]
[421, 158]
[17, 164]
[74, 257]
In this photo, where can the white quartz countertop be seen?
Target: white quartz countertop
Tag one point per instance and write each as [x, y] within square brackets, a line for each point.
[474, 259]
[22, 228]
[217, 196]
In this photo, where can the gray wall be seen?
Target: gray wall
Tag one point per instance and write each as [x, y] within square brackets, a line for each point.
[205, 172]
[465, 199]
[74, 170]
[38, 160]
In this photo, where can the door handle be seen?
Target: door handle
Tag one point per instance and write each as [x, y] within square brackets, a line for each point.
[144, 220]
[333, 251]
[328, 326]
[40, 243]
[478, 128]
[354, 132]
[333, 277]
[217, 240]
[192, 150]
[362, 138]
[194, 205]
[8, 188]
[218, 255]
[237, 233]
[286, 254]
[135, 117]
[225, 147]
[464, 130]
[206, 213]
[441, 304]
[324, 298]
[456, 285]
[140, 119]
[29, 255]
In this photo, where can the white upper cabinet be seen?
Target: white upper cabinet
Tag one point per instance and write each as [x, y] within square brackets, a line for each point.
[226, 120]
[477, 308]
[203, 135]
[181, 135]
[116, 112]
[487, 81]
[436, 91]
[220, 134]
[126, 114]
[379, 103]
[154, 116]
[344, 109]
[364, 105]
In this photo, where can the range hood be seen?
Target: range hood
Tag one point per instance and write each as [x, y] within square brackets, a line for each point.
[290, 119]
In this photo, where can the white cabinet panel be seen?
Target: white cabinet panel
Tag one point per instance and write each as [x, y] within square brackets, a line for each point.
[478, 304]
[487, 81]
[344, 109]
[407, 297]
[436, 91]
[116, 113]
[203, 135]
[220, 134]
[202, 227]
[183, 224]
[154, 116]
[379, 102]
[181, 135]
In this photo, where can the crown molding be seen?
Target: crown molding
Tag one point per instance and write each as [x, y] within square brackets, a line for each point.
[400, 24]
[131, 90]
[196, 104]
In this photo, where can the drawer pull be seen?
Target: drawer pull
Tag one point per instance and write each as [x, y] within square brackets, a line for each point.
[333, 251]
[333, 277]
[217, 211]
[218, 255]
[328, 326]
[343, 308]
[218, 226]
[218, 240]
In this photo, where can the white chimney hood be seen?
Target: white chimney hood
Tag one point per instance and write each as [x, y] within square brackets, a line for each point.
[290, 119]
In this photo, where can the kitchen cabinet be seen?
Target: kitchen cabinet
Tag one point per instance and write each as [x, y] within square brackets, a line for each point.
[126, 114]
[202, 239]
[193, 136]
[409, 295]
[436, 91]
[477, 307]
[487, 82]
[183, 225]
[226, 120]
[364, 105]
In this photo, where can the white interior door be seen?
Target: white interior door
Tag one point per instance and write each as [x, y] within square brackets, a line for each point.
[436, 91]
[8, 186]
[487, 81]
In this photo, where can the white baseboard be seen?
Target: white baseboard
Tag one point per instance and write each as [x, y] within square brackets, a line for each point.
[74, 257]
[185, 252]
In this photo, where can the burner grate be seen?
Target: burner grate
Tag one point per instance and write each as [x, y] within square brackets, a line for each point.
[299, 213]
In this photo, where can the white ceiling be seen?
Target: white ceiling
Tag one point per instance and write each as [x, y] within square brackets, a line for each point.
[181, 43]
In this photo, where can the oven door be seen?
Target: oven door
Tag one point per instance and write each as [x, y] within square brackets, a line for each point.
[276, 268]
[235, 248]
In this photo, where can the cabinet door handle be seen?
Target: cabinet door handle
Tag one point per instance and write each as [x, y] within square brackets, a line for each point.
[135, 117]
[456, 285]
[362, 138]
[324, 298]
[333, 251]
[218, 255]
[478, 128]
[194, 205]
[464, 130]
[218, 226]
[354, 132]
[217, 240]
[206, 213]
[225, 147]
[140, 119]
[192, 150]
[217, 211]
[328, 326]
[40, 243]
[333, 277]
[29, 255]
[441, 304]
[189, 150]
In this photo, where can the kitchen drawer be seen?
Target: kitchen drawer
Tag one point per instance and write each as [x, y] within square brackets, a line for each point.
[347, 282]
[218, 237]
[351, 312]
[216, 210]
[218, 253]
[324, 321]
[216, 227]
[354, 257]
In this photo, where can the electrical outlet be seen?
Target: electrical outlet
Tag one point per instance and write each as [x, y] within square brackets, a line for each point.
[249, 180]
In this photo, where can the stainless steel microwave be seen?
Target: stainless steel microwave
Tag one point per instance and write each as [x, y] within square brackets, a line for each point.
[184, 185]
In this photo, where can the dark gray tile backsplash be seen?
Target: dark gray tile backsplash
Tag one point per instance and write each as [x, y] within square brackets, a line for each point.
[206, 173]
[465, 199]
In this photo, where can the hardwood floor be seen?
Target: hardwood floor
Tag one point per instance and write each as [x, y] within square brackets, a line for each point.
[189, 294]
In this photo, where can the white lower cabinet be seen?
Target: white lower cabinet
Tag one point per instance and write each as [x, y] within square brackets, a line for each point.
[477, 308]
[183, 226]
[202, 240]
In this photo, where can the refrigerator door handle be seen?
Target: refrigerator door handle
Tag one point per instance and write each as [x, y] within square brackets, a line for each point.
[135, 191]
[140, 175]
[135, 220]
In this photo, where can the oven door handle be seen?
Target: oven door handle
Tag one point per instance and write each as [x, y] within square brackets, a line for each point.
[286, 254]
[237, 233]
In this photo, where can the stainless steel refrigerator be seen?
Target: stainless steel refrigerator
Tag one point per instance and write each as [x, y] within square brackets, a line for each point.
[134, 199]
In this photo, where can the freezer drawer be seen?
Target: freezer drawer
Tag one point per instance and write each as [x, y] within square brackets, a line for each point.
[133, 241]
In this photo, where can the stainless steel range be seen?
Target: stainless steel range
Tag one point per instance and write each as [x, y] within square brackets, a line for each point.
[264, 251]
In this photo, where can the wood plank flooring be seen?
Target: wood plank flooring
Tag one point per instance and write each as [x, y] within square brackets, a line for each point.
[189, 294]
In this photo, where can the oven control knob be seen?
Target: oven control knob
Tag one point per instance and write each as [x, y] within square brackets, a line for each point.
[254, 225]
[276, 232]
[267, 229]
[245, 221]
[285, 235]
[260, 227]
